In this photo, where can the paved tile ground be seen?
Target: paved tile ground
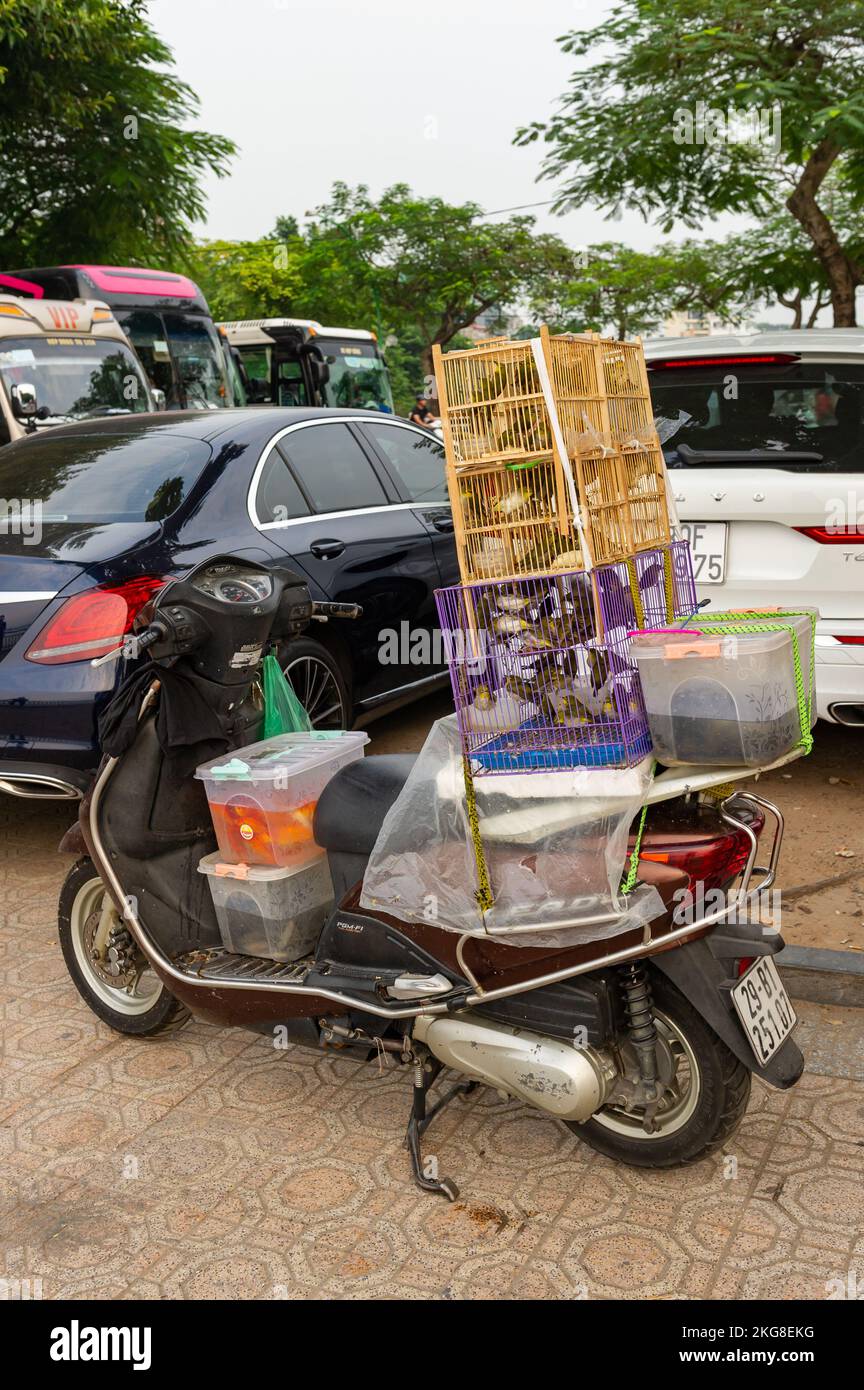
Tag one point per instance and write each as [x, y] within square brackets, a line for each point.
[210, 1164]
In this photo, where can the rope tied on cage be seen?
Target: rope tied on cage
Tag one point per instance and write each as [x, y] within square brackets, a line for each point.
[635, 592]
[484, 895]
[628, 883]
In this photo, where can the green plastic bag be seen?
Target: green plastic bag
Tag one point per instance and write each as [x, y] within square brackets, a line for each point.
[283, 712]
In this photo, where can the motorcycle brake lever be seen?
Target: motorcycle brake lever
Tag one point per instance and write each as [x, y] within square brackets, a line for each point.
[132, 646]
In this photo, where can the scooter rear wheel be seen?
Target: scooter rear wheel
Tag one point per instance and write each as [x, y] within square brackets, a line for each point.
[135, 1001]
[707, 1100]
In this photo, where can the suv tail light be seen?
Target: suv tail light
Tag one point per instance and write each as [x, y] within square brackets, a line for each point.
[711, 863]
[833, 535]
[92, 624]
[727, 359]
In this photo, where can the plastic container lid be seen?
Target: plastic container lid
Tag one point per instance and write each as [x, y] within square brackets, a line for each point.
[282, 756]
[675, 642]
[216, 867]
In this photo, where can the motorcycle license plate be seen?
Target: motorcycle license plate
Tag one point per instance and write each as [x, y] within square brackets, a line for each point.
[764, 1008]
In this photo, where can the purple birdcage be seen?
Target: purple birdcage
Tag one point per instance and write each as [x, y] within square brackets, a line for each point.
[536, 688]
[541, 670]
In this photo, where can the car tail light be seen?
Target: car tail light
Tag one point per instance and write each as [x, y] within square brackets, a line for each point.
[833, 535]
[92, 624]
[850, 641]
[711, 863]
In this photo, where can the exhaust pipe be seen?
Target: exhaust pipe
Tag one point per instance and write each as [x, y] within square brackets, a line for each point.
[848, 713]
[37, 787]
[568, 1082]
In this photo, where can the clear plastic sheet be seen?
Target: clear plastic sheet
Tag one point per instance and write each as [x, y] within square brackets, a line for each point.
[555, 845]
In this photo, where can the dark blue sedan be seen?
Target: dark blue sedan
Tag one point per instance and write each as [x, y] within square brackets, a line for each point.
[95, 516]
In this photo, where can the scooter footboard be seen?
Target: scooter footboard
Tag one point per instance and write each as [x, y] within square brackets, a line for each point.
[704, 972]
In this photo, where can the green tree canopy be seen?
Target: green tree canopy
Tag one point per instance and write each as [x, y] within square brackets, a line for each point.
[631, 132]
[416, 270]
[422, 262]
[98, 161]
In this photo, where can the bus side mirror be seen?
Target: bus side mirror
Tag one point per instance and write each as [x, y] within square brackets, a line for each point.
[24, 402]
[320, 370]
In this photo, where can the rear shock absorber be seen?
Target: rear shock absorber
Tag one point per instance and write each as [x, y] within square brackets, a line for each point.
[639, 1010]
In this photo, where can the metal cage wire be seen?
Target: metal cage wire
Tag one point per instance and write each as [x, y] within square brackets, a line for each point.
[541, 669]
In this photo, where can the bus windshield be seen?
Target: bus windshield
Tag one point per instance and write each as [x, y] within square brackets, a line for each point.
[75, 378]
[181, 354]
[358, 376]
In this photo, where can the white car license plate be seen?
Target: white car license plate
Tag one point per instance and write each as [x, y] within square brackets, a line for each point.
[707, 541]
[763, 1007]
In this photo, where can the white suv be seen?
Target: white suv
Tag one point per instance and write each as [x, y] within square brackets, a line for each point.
[764, 438]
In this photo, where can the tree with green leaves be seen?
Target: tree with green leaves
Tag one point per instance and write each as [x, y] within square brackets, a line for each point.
[422, 262]
[416, 270]
[689, 108]
[252, 279]
[612, 286]
[98, 160]
[606, 286]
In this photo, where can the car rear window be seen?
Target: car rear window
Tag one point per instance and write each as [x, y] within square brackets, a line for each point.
[103, 478]
[763, 415]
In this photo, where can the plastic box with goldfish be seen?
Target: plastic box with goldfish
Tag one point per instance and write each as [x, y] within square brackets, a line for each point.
[263, 797]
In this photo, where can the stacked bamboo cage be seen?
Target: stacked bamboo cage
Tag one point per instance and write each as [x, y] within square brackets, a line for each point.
[518, 508]
[563, 535]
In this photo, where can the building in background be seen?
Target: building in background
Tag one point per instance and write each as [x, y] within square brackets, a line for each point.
[682, 324]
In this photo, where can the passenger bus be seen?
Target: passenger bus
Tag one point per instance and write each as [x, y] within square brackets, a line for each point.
[302, 362]
[166, 319]
[62, 361]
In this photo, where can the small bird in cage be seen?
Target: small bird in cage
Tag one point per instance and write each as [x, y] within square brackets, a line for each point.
[516, 501]
[571, 711]
[509, 625]
[567, 560]
[511, 602]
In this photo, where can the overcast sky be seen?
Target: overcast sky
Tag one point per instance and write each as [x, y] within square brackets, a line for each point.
[379, 92]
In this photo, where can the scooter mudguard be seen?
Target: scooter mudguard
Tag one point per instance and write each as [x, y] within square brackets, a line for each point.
[705, 977]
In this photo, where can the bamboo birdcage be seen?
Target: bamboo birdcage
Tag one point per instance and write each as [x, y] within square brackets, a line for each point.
[506, 469]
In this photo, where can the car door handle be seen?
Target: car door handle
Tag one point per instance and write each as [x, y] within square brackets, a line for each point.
[443, 523]
[327, 549]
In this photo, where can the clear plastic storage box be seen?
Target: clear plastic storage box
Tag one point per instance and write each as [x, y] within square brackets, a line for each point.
[803, 620]
[263, 797]
[274, 913]
[722, 698]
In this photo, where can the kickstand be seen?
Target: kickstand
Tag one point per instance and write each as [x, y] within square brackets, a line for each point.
[425, 1075]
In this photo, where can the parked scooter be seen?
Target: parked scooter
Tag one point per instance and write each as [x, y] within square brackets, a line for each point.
[643, 1044]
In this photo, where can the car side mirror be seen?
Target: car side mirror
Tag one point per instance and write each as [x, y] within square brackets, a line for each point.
[24, 402]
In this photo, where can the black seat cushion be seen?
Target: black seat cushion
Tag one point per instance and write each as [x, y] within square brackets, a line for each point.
[353, 805]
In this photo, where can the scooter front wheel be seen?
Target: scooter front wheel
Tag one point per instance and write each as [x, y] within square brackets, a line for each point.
[705, 1095]
[125, 992]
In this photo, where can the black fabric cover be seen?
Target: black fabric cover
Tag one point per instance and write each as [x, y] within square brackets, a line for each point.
[189, 727]
[353, 805]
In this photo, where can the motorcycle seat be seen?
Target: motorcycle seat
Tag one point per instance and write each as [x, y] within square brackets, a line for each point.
[352, 806]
